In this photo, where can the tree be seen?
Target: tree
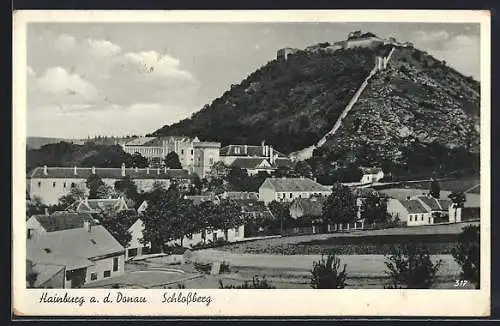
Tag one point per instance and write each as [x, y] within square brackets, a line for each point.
[302, 168]
[207, 216]
[118, 223]
[172, 161]
[35, 206]
[137, 160]
[411, 267]
[218, 171]
[281, 211]
[457, 198]
[196, 185]
[186, 220]
[340, 206]
[228, 216]
[31, 274]
[127, 188]
[326, 274]
[434, 189]
[467, 254]
[94, 183]
[374, 208]
[238, 178]
[352, 173]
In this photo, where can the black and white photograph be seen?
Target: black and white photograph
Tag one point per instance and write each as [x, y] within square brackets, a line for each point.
[206, 155]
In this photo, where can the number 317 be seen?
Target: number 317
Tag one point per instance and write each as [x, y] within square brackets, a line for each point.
[461, 283]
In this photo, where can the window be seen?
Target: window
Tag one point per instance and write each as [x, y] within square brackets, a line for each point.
[47, 250]
[290, 195]
[115, 264]
[410, 218]
[132, 252]
[192, 152]
[107, 274]
[73, 185]
[39, 184]
[182, 152]
[190, 237]
[237, 232]
[93, 276]
[284, 195]
[145, 250]
[64, 185]
[422, 217]
[211, 160]
[54, 184]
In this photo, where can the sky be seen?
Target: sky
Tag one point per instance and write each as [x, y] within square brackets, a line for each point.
[87, 79]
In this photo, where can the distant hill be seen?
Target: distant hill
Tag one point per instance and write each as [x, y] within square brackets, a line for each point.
[37, 142]
[416, 115]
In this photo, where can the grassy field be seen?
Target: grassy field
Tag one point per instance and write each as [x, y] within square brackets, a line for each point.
[439, 239]
[451, 185]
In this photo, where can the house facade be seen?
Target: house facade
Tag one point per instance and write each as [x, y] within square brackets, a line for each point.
[288, 189]
[87, 254]
[230, 153]
[51, 183]
[135, 247]
[371, 175]
[423, 210]
[206, 154]
[155, 149]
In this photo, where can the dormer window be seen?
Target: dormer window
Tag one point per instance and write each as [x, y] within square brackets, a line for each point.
[47, 250]
[93, 241]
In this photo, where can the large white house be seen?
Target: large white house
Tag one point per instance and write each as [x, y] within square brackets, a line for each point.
[287, 189]
[51, 183]
[424, 210]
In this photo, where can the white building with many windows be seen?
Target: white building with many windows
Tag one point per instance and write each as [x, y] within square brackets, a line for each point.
[51, 183]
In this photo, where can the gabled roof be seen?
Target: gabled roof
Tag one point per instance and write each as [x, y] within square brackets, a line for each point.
[312, 207]
[73, 248]
[435, 204]
[63, 221]
[250, 163]
[235, 195]
[361, 192]
[251, 150]
[198, 199]
[96, 205]
[253, 208]
[294, 184]
[109, 173]
[413, 206]
[45, 272]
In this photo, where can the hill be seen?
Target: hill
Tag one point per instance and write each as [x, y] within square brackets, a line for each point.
[65, 154]
[417, 115]
[38, 142]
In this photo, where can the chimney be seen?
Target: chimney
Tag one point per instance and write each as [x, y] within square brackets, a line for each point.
[87, 226]
[45, 170]
[147, 170]
[263, 145]
[271, 156]
[46, 211]
[123, 169]
[93, 170]
[75, 171]
[136, 169]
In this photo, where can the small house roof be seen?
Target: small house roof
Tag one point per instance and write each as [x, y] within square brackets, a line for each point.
[294, 185]
[413, 206]
[63, 220]
[108, 173]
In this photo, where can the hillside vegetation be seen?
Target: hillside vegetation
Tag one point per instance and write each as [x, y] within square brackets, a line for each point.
[418, 117]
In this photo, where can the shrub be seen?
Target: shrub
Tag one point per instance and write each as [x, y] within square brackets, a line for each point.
[411, 267]
[202, 267]
[326, 274]
[257, 283]
[115, 286]
[224, 267]
[467, 254]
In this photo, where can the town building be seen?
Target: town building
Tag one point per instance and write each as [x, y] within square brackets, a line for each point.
[135, 247]
[371, 175]
[155, 149]
[282, 54]
[254, 159]
[51, 183]
[423, 210]
[87, 254]
[287, 189]
[410, 211]
[206, 154]
[237, 195]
